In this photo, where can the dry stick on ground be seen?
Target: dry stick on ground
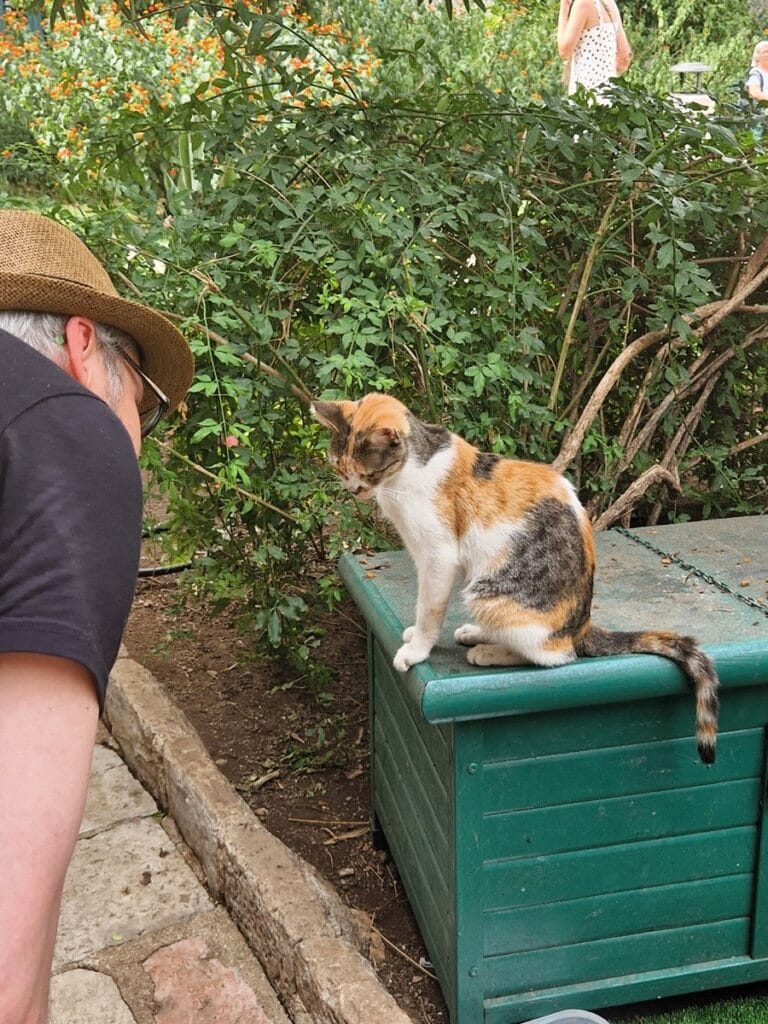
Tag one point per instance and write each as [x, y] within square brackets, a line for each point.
[403, 954]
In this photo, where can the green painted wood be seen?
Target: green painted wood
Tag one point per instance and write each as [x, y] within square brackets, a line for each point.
[677, 859]
[610, 958]
[759, 944]
[415, 810]
[415, 805]
[598, 823]
[468, 825]
[435, 919]
[545, 733]
[612, 915]
[616, 771]
[586, 682]
[435, 741]
[447, 688]
[732, 550]
[513, 1009]
[587, 858]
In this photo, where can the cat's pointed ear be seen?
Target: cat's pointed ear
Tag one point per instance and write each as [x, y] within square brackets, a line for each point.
[332, 414]
[390, 434]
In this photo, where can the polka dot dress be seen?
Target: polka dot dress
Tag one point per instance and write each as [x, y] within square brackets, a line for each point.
[593, 61]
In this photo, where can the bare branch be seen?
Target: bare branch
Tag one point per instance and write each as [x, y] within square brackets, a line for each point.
[627, 501]
[571, 446]
[580, 295]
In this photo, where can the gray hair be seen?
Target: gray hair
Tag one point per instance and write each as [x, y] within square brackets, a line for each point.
[45, 333]
[760, 46]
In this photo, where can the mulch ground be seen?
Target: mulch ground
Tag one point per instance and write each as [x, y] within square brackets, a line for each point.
[300, 763]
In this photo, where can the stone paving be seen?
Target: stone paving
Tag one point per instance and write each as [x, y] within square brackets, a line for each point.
[140, 941]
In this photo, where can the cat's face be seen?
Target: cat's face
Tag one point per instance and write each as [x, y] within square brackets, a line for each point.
[368, 440]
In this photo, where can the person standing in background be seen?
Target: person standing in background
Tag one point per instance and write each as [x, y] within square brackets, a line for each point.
[757, 79]
[591, 38]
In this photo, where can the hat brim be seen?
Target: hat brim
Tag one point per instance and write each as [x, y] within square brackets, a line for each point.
[165, 355]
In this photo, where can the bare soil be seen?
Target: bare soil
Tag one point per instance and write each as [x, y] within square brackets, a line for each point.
[300, 763]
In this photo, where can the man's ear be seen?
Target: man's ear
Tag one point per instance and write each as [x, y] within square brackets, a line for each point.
[81, 345]
[333, 415]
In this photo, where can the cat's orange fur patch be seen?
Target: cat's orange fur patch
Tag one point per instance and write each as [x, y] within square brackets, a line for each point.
[465, 500]
[378, 412]
[499, 613]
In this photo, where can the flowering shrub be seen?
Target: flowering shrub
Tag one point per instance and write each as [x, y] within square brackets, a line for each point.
[88, 90]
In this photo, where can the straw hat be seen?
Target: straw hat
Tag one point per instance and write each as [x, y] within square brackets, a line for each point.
[44, 268]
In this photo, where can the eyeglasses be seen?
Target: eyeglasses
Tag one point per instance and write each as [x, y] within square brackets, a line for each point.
[148, 418]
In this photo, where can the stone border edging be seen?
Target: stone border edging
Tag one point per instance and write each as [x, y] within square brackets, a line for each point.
[306, 938]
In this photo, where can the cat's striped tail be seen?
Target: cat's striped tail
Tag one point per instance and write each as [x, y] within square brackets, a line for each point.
[685, 652]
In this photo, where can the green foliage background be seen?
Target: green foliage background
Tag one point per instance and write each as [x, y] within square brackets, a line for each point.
[406, 202]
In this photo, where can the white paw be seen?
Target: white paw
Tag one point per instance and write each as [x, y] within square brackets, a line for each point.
[410, 654]
[408, 634]
[468, 634]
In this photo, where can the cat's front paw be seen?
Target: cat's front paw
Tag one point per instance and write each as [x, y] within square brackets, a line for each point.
[408, 634]
[410, 654]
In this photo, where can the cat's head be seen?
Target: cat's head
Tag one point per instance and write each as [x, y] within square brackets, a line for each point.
[368, 440]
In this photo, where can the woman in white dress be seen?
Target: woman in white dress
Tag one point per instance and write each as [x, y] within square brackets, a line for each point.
[590, 35]
[757, 79]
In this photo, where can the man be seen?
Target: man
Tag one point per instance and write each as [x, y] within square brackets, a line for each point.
[84, 374]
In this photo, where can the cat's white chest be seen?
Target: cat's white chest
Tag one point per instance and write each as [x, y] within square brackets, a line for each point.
[408, 501]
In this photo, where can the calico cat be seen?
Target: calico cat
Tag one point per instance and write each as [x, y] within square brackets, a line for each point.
[517, 533]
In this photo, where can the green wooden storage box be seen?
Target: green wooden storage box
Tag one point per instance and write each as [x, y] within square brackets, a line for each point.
[559, 840]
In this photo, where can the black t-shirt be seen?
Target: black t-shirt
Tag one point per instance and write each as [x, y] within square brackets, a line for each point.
[70, 515]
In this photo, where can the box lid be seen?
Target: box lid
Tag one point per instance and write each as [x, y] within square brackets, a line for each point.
[708, 580]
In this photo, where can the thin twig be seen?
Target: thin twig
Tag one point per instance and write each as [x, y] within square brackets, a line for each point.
[580, 296]
[328, 821]
[228, 484]
[403, 954]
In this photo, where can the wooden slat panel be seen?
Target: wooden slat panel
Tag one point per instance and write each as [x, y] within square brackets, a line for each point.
[626, 988]
[420, 778]
[610, 958]
[470, 990]
[623, 913]
[643, 721]
[413, 808]
[535, 880]
[759, 944]
[618, 771]
[433, 913]
[621, 820]
[434, 738]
